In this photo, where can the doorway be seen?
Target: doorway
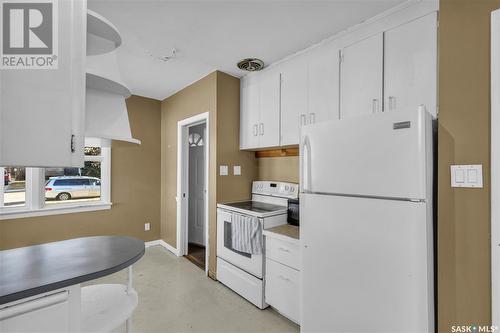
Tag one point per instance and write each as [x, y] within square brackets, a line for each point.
[196, 198]
[192, 189]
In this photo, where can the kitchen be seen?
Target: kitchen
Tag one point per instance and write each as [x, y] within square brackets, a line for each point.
[267, 136]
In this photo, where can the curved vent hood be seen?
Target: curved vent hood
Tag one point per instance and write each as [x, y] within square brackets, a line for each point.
[106, 111]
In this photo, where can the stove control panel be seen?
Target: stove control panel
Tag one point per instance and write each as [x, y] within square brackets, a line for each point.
[276, 189]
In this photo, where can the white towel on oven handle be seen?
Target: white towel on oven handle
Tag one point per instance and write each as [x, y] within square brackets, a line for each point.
[246, 234]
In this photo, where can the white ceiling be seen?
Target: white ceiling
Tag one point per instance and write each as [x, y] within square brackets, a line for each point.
[215, 35]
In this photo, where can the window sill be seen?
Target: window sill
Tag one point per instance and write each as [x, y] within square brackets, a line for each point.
[52, 210]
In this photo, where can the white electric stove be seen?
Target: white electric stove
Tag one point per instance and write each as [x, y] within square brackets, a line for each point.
[240, 271]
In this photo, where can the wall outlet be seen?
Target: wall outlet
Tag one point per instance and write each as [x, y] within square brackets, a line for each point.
[237, 170]
[147, 226]
[224, 170]
[467, 175]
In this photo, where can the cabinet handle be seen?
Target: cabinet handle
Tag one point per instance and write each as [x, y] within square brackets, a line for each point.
[261, 128]
[312, 118]
[375, 105]
[303, 119]
[283, 249]
[392, 103]
[255, 130]
[283, 278]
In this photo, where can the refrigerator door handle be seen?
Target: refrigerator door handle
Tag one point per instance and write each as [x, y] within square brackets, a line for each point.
[305, 164]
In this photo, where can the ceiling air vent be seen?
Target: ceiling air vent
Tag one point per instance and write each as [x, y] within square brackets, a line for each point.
[251, 64]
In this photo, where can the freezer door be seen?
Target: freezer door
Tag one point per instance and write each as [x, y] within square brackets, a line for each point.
[366, 265]
[382, 155]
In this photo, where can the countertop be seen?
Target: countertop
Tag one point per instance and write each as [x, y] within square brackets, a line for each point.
[288, 230]
[32, 270]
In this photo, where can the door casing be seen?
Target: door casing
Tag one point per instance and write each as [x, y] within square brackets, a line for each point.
[183, 182]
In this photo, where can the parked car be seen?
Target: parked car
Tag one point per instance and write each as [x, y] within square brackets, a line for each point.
[6, 178]
[69, 187]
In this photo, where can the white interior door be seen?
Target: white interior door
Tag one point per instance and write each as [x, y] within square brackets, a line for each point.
[196, 209]
[361, 77]
[410, 59]
[366, 265]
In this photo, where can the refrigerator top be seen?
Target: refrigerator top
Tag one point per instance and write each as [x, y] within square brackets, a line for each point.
[385, 155]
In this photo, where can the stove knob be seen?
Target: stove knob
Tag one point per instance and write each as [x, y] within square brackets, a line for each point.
[292, 189]
[287, 187]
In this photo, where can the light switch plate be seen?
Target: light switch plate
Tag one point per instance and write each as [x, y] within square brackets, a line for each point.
[467, 176]
[237, 170]
[224, 170]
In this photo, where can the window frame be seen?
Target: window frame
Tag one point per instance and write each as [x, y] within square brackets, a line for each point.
[35, 189]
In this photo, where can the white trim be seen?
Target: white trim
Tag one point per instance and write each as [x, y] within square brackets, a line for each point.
[182, 182]
[54, 210]
[161, 242]
[495, 164]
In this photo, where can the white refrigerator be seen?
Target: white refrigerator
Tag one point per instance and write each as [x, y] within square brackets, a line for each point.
[366, 224]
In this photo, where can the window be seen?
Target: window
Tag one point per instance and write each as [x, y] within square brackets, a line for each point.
[44, 191]
[195, 140]
[14, 191]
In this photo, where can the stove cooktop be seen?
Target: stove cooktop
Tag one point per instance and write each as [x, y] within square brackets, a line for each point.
[255, 207]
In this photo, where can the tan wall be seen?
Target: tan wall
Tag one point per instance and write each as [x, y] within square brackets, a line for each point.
[218, 94]
[464, 128]
[135, 192]
[197, 98]
[284, 169]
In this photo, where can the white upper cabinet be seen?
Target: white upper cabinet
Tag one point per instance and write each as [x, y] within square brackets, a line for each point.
[269, 125]
[249, 114]
[323, 86]
[386, 65]
[260, 111]
[410, 63]
[42, 111]
[361, 77]
[294, 111]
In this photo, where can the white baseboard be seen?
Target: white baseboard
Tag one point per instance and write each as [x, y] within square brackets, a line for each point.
[161, 242]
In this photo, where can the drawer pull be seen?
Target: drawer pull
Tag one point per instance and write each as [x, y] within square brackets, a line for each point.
[284, 278]
[283, 249]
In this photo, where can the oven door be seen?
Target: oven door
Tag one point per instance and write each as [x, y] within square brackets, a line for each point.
[251, 263]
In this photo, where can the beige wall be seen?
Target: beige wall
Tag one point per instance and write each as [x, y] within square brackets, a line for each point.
[218, 94]
[135, 192]
[284, 169]
[197, 98]
[464, 138]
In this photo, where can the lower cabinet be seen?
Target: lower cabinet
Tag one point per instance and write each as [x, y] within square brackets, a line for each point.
[282, 282]
[56, 311]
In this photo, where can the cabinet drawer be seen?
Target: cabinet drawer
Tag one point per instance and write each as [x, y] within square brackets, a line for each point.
[48, 313]
[282, 289]
[283, 252]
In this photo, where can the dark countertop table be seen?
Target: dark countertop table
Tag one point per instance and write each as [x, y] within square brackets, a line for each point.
[33, 270]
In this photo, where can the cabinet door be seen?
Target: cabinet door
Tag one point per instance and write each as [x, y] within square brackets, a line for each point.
[42, 111]
[411, 65]
[361, 77]
[324, 85]
[249, 114]
[293, 100]
[269, 125]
